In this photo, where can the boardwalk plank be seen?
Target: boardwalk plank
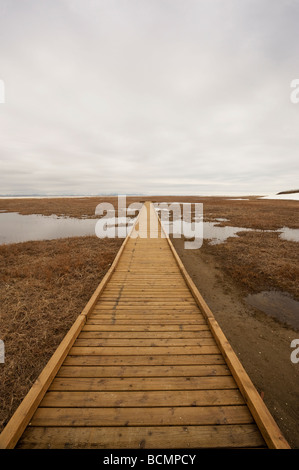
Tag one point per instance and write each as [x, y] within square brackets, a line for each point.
[140, 351]
[185, 335]
[91, 399]
[160, 360]
[204, 370]
[143, 383]
[155, 416]
[135, 342]
[157, 437]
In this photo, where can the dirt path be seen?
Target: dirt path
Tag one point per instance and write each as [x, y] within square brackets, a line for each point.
[261, 343]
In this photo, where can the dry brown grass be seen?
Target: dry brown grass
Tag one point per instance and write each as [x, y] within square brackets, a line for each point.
[254, 213]
[70, 207]
[259, 261]
[43, 288]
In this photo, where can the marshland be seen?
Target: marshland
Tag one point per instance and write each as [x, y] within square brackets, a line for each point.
[249, 279]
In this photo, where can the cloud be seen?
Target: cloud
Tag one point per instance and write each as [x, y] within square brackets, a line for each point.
[156, 97]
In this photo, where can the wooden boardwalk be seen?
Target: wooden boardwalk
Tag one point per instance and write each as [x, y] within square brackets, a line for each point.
[145, 365]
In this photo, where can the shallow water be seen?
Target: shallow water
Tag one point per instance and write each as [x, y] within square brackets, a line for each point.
[290, 234]
[217, 234]
[278, 305]
[289, 197]
[211, 231]
[15, 228]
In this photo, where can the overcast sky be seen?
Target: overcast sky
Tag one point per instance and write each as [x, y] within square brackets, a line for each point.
[148, 96]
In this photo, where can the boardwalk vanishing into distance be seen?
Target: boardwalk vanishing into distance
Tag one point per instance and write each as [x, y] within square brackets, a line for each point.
[145, 365]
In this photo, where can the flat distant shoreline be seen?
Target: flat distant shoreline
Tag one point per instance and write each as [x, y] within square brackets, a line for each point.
[50, 197]
[287, 195]
[43, 196]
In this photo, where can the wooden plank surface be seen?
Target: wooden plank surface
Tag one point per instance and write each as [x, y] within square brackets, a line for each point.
[142, 383]
[154, 416]
[141, 399]
[204, 370]
[156, 360]
[144, 437]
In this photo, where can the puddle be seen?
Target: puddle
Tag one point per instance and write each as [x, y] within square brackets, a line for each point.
[211, 231]
[15, 228]
[217, 234]
[290, 234]
[278, 305]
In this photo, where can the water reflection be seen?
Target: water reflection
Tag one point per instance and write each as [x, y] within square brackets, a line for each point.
[212, 231]
[278, 305]
[290, 234]
[216, 233]
[15, 228]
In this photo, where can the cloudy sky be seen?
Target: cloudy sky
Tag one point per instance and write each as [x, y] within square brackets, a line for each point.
[154, 97]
